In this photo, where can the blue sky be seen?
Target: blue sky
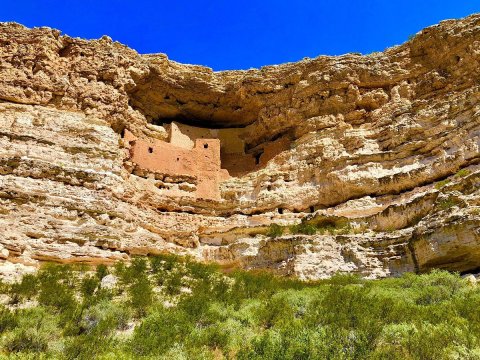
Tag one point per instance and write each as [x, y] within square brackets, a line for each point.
[241, 34]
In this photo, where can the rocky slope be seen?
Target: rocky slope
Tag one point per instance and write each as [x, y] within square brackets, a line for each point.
[383, 157]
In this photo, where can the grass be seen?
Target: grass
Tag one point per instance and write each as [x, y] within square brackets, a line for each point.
[340, 226]
[62, 313]
[463, 173]
[460, 174]
[441, 184]
[447, 203]
[303, 228]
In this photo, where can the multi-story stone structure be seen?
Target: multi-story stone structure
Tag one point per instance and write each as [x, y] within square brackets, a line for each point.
[195, 160]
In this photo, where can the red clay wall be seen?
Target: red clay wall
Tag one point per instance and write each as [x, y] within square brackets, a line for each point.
[202, 162]
[274, 148]
[240, 164]
[185, 135]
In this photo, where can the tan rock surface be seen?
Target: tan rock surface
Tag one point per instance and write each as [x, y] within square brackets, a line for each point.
[382, 156]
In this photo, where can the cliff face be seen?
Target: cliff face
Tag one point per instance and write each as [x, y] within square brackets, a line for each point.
[379, 153]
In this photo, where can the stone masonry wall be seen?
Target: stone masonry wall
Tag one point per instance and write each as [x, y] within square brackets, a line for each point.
[202, 162]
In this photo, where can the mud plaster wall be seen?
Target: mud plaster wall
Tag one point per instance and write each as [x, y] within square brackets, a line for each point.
[185, 135]
[232, 146]
[202, 162]
[240, 164]
[209, 155]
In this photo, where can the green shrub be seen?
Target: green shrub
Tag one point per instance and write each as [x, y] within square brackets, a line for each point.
[129, 274]
[138, 266]
[35, 332]
[101, 271]
[274, 230]
[173, 282]
[57, 283]
[446, 204]
[8, 319]
[441, 184]
[141, 295]
[283, 308]
[163, 267]
[303, 228]
[122, 273]
[199, 270]
[241, 315]
[26, 289]
[88, 286]
[183, 352]
[105, 317]
[334, 226]
[164, 262]
[160, 331]
[326, 229]
[97, 329]
[432, 341]
[227, 335]
[135, 278]
[463, 173]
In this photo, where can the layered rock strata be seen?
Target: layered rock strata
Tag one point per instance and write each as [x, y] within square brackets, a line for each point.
[379, 153]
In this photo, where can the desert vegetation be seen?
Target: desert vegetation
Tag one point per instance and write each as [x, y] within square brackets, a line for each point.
[330, 227]
[167, 307]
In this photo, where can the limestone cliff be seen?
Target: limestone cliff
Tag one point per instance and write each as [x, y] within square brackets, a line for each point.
[379, 153]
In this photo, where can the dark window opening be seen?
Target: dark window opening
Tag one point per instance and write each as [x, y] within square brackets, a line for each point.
[269, 187]
[178, 159]
[150, 150]
[205, 146]
[257, 158]
[458, 58]
[312, 209]
[280, 210]
[122, 133]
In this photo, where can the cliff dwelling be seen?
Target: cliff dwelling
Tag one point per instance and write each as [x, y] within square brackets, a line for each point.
[193, 161]
[106, 153]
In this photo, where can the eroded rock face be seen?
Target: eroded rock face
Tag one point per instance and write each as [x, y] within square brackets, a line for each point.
[380, 153]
